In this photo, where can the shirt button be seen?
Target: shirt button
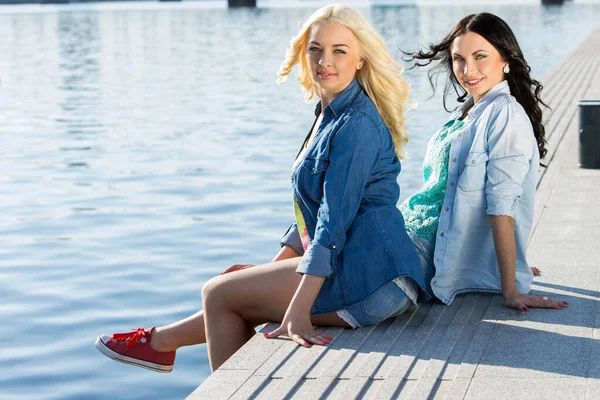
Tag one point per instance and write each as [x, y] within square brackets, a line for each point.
[442, 234]
[447, 208]
[439, 260]
[333, 247]
[454, 159]
[309, 225]
[434, 282]
[451, 183]
[473, 161]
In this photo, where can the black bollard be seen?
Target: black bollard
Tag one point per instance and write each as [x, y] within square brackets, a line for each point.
[589, 133]
[241, 3]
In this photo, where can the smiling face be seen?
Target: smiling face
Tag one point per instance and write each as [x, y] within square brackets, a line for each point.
[476, 64]
[333, 57]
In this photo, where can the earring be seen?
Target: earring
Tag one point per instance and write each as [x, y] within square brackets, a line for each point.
[506, 69]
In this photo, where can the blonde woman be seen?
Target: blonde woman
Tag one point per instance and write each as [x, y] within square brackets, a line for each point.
[347, 259]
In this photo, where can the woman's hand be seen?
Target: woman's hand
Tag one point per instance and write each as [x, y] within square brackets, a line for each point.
[296, 321]
[298, 327]
[522, 302]
[236, 267]
[284, 253]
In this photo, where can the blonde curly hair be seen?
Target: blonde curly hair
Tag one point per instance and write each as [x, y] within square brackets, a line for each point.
[380, 76]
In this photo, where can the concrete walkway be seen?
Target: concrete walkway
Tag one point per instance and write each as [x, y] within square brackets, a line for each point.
[476, 348]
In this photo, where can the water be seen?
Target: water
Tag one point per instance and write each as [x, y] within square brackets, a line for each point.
[143, 150]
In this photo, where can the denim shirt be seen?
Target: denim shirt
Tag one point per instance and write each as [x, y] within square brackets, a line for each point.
[346, 187]
[492, 171]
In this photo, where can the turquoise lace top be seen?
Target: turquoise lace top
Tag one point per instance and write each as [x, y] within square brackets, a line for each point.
[421, 211]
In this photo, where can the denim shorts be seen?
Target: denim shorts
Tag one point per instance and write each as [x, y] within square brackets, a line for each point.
[386, 302]
[389, 300]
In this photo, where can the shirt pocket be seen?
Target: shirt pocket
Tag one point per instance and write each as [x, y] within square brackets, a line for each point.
[474, 174]
[313, 176]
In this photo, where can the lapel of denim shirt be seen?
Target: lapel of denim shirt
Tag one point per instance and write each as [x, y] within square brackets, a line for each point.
[342, 100]
[477, 109]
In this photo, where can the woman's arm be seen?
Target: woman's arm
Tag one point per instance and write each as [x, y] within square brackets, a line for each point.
[290, 248]
[285, 253]
[354, 151]
[511, 145]
[504, 242]
[296, 322]
[503, 230]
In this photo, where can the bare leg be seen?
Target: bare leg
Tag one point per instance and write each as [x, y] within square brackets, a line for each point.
[249, 297]
[191, 330]
[186, 332]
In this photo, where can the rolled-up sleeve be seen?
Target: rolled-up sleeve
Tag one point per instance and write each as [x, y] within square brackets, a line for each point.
[292, 239]
[511, 144]
[355, 149]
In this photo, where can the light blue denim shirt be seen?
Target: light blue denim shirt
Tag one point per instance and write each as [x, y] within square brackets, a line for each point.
[492, 171]
[346, 187]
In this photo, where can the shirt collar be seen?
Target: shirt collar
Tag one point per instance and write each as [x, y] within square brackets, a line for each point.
[501, 88]
[342, 100]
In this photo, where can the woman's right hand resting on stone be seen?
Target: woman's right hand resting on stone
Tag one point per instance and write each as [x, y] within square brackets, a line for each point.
[522, 302]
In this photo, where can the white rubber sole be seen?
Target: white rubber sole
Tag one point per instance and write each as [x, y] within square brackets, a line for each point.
[104, 349]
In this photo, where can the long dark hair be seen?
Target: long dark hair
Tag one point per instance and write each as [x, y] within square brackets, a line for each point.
[493, 29]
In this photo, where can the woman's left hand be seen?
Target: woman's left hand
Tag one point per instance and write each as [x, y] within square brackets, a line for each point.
[522, 302]
[298, 327]
[236, 267]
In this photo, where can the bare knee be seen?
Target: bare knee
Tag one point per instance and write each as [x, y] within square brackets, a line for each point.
[213, 293]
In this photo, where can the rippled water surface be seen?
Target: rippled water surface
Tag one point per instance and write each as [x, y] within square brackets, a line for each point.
[142, 151]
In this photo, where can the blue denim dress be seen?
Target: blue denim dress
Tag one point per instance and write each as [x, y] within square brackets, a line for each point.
[346, 188]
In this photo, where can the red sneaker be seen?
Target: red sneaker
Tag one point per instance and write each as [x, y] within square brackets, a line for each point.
[134, 348]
